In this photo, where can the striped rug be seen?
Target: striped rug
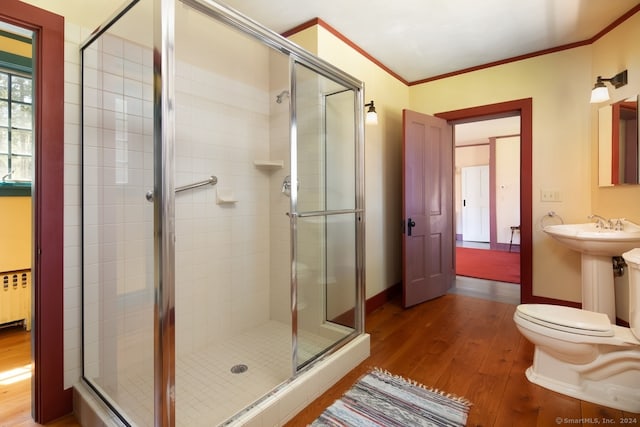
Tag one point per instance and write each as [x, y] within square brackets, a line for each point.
[381, 399]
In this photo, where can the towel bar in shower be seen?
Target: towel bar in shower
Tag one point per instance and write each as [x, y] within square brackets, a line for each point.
[213, 180]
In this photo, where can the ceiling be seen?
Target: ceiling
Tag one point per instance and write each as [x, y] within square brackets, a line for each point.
[479, 132]
[421, 39]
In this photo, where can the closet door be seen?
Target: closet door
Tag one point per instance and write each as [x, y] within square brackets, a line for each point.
[475, 203]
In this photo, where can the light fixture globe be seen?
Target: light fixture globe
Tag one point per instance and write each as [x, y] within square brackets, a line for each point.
[600, 93]
[371, 116]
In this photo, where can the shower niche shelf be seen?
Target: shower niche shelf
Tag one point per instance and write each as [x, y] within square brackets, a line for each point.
[268, 165]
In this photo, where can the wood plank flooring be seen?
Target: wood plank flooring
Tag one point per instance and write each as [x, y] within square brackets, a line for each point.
[464, 345]
[469, 347]
[15, 397]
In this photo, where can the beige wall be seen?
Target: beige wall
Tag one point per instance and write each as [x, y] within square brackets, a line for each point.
[90, 14]
[564, 145]
[15, 47]
[561, 146]
[613, 53]
[561, 131]
[15, 229]
[383, 162]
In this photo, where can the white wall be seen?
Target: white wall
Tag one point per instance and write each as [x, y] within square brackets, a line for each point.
[507, 188]
[471, 155]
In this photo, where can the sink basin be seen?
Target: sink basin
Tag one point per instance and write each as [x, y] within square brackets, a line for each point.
[597, 246]
[589, 239]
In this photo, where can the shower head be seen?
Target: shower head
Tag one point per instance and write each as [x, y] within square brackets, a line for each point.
[283, 94]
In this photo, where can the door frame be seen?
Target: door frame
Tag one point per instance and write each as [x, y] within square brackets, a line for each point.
[523, 107]
[49, 398]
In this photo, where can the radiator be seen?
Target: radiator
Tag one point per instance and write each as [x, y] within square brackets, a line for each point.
[15, 297]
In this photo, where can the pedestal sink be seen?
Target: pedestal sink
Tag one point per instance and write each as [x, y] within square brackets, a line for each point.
[598, 246]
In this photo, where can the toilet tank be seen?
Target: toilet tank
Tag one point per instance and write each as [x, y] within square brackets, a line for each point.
[632, 258]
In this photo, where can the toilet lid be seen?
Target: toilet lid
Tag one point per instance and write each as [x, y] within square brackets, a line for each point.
[567, 319]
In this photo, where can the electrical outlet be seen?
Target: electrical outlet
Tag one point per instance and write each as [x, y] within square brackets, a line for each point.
[550, 196]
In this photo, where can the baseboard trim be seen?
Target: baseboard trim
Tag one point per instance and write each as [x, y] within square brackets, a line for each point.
[383, 297]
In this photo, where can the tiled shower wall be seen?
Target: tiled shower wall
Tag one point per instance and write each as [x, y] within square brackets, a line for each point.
[223, 245]
[280, 241]
[227, 253]
[224, 109]
[118, 220]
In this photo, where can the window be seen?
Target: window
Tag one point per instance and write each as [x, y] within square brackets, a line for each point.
[16, 127]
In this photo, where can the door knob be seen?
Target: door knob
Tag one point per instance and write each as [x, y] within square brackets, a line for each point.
[410, 224]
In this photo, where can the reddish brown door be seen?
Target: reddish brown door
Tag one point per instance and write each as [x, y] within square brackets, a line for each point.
[427, 208]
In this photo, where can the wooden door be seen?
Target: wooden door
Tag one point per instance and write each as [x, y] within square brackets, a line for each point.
[475, 203]
[427, 241]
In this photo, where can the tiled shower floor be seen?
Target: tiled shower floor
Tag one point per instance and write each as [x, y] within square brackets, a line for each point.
[207, 392]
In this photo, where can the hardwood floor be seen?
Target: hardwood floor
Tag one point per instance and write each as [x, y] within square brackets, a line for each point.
[15, 396]
[463, 345]
[469, 347]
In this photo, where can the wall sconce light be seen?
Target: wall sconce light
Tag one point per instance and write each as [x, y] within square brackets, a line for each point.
[372, 117]
[600, 92]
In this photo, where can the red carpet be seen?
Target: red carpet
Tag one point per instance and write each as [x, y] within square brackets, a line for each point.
[500, 266]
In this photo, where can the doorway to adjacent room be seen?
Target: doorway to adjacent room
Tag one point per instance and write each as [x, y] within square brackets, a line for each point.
[487, 198]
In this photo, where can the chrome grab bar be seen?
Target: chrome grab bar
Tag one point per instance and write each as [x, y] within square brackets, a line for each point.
[213, 180]
[323, 213]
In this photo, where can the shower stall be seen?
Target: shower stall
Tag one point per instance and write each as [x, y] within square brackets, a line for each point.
[223, 217]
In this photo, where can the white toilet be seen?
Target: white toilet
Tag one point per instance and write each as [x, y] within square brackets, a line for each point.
[581, 354]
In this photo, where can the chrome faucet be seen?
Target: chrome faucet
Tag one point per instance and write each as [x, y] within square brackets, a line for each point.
[4, 178]
[619, 224]
[601, 222]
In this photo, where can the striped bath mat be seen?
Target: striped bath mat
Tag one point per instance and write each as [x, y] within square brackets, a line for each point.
[382, 399]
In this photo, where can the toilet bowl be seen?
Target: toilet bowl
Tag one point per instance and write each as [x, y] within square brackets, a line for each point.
[581, 354]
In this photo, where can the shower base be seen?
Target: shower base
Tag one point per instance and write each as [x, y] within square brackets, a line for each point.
[207, 391]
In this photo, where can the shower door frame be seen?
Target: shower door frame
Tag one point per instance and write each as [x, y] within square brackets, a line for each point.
[296, 55]
[301, 56]
[163, 22]
[358, 209]
[164, 211]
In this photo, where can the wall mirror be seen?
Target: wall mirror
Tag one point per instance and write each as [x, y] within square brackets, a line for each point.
[618, 154]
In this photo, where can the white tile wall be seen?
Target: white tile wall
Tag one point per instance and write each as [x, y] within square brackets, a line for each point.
[72, 209]
[232, 259]
[118, 220]
[222, 250]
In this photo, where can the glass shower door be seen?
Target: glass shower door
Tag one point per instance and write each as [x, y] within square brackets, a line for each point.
[326, 218]
[117, 219]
